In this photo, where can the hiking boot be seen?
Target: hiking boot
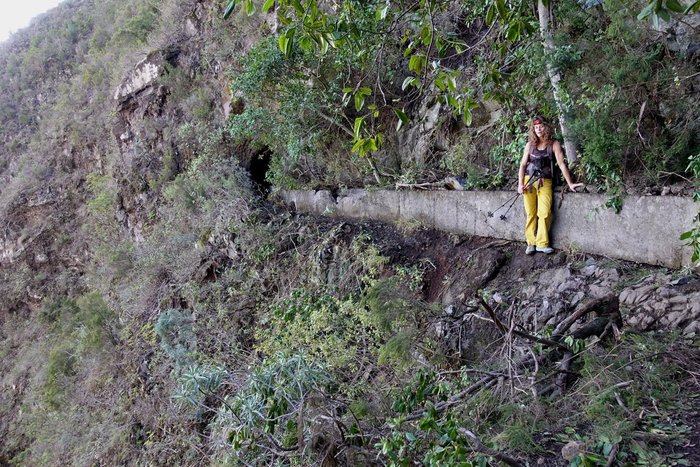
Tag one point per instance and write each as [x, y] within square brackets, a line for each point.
[545, 249]
[530, 250]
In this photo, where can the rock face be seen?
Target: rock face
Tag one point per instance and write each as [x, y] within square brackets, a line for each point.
[554, 293]
[417, 140]
[140, 98]
[682, 36]
[538, 293]
[655, 303]
[144, 74]
[658, 302]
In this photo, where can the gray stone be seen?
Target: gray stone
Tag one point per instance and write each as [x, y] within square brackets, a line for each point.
[637, 296]
[671, 318]
[572, 449]
[577, 298]
[598, 291]
[665, 292]
[41, 258]
[678, 299]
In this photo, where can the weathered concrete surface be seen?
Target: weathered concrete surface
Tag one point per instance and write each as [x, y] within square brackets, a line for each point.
[645, 231]
[319, 202]
[362, 204]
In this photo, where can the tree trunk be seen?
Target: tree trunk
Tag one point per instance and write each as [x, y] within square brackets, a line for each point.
[545, 17]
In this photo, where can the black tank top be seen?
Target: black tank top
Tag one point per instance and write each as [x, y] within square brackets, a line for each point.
[540, 162]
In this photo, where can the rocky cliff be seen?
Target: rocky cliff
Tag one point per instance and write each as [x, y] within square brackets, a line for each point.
[159, 308]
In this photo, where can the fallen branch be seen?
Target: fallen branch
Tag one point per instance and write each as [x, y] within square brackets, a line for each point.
[608, 301]
[460, 396]
[594, 328]
[517, 332]
[607, 307]
[612, 455]
[492, 314]
[480, 447]
[420, 186]
[563, 372]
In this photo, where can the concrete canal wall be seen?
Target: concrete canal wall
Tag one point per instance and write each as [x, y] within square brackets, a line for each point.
[645, 231]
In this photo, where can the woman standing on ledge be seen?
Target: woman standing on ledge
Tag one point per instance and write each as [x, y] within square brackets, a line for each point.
[535, 183]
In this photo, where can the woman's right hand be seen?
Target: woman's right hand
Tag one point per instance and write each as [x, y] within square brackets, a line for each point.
[521, 188]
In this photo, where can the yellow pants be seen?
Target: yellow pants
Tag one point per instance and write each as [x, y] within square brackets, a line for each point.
[538, 211]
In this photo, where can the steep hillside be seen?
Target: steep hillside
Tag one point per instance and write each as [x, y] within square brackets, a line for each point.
[318, 342]
[160, 308]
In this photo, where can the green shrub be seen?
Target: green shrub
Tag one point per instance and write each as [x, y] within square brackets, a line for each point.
[136, 27]
[85, 321]
[388, 307]
[333, 332]
[177, 337]
[60, 368]
[56, 309]
[519, 435]
[265, 413]
[93, 322]
[398, 349]
[198, 382]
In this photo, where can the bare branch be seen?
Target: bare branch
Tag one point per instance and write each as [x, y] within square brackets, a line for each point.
[480, 447]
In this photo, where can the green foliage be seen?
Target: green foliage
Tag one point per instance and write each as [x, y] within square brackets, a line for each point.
[576, 345]
[53, 310]
[138, 27]
[105, 234]
[398, 349]
[623, 65]
[413, 275]
[507, 156]
[210, 203]
[81, 328]
[327, 330]
[268, 82]
[93, 322]
[631, 379]
[317, 46]
[60, 368]
[657, 10]
[196, 383]
[519, 435]
[87, 320]
[435, 440]
[388, 307]
[177, 338]
[369, 256]
[266, 409]
[103, 194]
[692, 236]
[692, 239]
[602, 141]
[430, 49]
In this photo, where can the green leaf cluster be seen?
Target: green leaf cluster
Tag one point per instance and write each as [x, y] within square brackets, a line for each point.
[327, 330]
[265, 411]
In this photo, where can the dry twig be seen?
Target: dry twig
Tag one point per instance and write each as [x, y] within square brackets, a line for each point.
[480, 447]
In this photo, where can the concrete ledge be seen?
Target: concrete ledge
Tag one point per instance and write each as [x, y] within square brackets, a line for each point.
[645, 231]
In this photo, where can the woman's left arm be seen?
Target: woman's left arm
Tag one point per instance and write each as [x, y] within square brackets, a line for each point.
[556, 147]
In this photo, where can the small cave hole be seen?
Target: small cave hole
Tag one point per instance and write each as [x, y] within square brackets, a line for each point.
[259, 165]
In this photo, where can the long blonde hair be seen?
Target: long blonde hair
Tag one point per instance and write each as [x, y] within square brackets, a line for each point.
[547, 134]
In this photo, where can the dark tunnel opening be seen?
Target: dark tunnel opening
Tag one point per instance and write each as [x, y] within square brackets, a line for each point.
[259, 165]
